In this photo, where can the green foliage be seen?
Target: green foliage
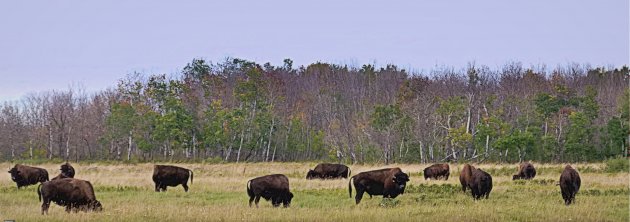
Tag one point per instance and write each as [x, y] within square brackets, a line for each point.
[547, 104]
[618, 165]
[385, 116]
[579, 137]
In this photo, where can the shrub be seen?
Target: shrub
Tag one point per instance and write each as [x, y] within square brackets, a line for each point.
[617, 165]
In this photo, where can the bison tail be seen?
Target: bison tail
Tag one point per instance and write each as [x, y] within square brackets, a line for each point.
[39, 192]
[249, 190]
[350, 186]
[191, 176]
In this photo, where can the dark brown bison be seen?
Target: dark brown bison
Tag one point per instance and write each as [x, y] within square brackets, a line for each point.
[24, 175]
[569, 184]
[73, 194]
[389, 182]
[437, 171]
[526, 171]
[164, 175]
[67, 171]
[271, 187]
[481, 184]
[465, 176]
[328, 171]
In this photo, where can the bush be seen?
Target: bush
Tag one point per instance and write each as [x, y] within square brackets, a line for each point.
[617, 165]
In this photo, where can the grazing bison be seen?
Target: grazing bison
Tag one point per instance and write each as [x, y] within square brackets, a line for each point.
[389, 182]
[73, 194]
[328, 171]
[271, 187]
[437, 171]
[164, 175]
[465, 176]
[526, 171]
[67, 171]
[481, 184]
[24, 175]
[569, 184]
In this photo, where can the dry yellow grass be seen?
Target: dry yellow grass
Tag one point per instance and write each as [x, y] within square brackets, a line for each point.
[218, 194]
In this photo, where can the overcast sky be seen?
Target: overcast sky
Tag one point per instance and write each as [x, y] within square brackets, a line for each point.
[48, 45]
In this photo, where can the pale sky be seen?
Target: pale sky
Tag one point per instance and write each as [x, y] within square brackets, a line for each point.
[47, 45]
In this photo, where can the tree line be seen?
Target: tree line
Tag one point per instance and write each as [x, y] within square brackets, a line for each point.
[241, 111]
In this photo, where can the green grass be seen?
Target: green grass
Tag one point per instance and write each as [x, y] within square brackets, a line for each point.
[218, 194]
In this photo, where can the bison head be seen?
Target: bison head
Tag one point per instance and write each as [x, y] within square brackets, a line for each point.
[67, 170]
[15, 174]
[287, 199]
[400, 179]
[96, 206]
[284, 199]
[311, 174]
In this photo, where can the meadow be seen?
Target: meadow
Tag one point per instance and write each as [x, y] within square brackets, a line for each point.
[218, 193]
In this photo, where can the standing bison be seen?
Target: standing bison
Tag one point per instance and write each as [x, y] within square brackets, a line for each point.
[437, 171]
[73, 194]
[24, 175]
[526, 171]
[328, 171]
[481, 184]
[465, 176]
[164, 175]
[271, 187]
[569, 184]
[67, 171]
[388, 182]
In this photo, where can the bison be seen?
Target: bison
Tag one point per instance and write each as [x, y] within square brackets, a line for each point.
[465, 176]
[328, 171]
[389, 182]
[569, 184]
[271, 187]
[526, 171]
[73, 194]
[481, 184]
[437, 171]
[67, 171]
[164, 175]
[24, 175]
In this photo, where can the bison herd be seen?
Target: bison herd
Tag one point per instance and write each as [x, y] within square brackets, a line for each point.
[78, 195]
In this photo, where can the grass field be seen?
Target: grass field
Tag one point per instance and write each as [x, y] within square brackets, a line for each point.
[219, 194]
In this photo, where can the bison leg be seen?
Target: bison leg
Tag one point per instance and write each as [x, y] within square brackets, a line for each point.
[68, 207]
[157, 187]
[251, 199]
[359, 195]
[275, 201]
[45, 205]
[257, 200]
[185, 187]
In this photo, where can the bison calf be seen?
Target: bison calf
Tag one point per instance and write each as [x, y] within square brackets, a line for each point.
[271, 187]
[569, 184]
[389, 182]
[24, 175]
[437, 171]
[73, 194]
[328, 171]
[164, 175]
[526, 171]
